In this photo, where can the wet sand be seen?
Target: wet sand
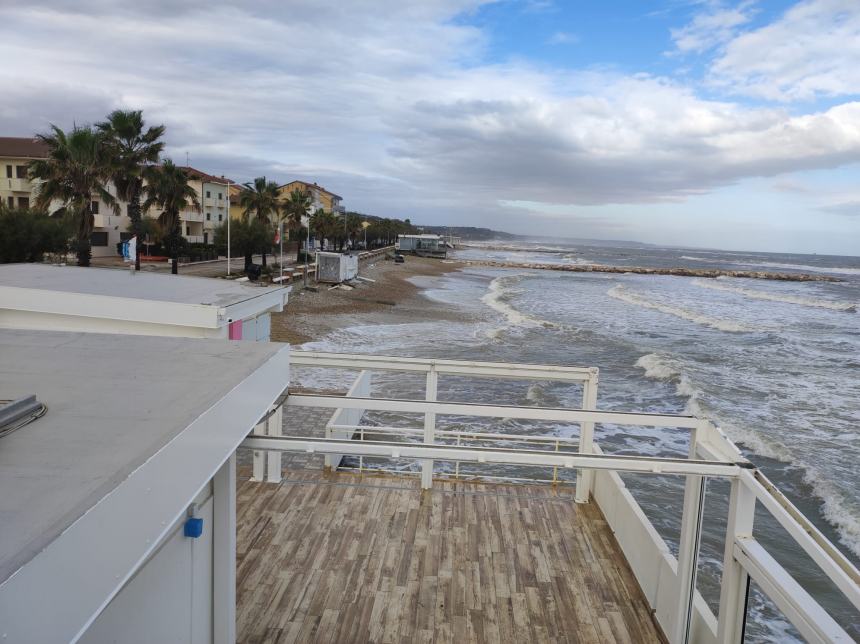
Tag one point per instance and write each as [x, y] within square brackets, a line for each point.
[390, 299]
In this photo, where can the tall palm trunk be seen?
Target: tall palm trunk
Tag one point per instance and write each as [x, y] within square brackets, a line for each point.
[136, 220]
[83, 244]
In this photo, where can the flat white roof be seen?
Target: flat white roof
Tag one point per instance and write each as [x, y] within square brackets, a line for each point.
[113, 402]
[424, 236]
[180, 289]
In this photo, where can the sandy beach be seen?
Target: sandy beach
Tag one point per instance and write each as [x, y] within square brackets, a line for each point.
[389, 299]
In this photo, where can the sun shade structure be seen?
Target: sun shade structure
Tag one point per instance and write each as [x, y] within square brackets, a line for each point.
[71, 298]
[105, 503]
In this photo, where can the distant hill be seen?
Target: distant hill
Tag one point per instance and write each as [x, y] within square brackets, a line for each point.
[468, 232]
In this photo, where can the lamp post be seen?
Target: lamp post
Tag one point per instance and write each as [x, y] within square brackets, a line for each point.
[229, 217]
[365, 225]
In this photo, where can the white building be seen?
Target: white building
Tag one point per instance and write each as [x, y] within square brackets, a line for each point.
[198, 224]
[119, 522]
[102, 300]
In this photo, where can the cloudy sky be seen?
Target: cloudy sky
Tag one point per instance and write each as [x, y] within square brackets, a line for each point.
[705, 123]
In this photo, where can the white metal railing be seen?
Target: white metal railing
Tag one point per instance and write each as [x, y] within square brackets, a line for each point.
[668, 583]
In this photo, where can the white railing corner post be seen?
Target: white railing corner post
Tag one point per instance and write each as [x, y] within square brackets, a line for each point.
[429, 428]
[274, 427]
[258, 470]
[688, 557]
[585, 478]
[735, 581]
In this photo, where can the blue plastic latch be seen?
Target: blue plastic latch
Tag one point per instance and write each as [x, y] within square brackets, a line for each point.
[193, 527]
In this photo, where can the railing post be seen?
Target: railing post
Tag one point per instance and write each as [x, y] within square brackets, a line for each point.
[688, 557]
[224, 553]
[585, 478]
[429, 429]
[274, 427]
[258, 472]
[735, 582]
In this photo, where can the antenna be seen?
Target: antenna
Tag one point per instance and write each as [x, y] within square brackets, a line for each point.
[187, 160]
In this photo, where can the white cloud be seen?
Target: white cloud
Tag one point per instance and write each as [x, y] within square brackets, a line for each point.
[563, 38]
[402, 126]
[812, 50]
[714, 26]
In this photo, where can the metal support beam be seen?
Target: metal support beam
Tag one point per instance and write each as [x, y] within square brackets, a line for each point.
[493, 411]
[585, 478]
[274, 427]
[688, 557]
[224, 553]
[429, 429]
[735, 583]
[639, 464]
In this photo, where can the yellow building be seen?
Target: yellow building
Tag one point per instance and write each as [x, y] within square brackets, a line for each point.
[320, 197]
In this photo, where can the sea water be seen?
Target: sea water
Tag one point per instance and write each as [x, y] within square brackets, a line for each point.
[775, 364]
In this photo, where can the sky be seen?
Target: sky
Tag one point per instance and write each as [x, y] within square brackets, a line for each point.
[702, 123]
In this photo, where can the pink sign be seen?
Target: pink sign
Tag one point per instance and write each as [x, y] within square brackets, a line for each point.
[235, 332]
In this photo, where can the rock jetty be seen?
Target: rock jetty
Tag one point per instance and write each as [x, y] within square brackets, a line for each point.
[641, 270]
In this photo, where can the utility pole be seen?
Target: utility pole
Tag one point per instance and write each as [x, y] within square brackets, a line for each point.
[229, 217]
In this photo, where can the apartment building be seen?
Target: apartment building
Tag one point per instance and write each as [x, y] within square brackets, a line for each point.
[199, 223]
[320, 197]
[17, 191]
[15, 154]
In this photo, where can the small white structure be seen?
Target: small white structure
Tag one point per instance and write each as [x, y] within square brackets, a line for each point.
[96, 544]
[425, 245]
[335, 268]
[101, 300]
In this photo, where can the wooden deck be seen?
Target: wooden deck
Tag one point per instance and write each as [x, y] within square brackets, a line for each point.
[348, 558]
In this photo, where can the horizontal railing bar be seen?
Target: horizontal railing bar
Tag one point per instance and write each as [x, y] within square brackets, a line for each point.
[450, 367]
[492, 411]
[638, 464]
[828, 557]
[807, 615]
[371, 429]
[452, 476]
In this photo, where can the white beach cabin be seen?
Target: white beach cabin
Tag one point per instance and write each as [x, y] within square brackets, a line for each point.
[119, 523]
[100, 300]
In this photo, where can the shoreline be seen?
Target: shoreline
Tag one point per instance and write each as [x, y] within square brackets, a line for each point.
[390, 298]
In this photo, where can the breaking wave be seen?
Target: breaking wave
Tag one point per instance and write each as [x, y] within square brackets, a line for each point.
[776, 297]
[838, 270]
[495, 299]
[619, 293]
[834, 503]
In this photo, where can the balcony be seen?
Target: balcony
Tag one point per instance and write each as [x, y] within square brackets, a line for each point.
[17, 185]
[191, 215]
[214, 202]
[194, 239]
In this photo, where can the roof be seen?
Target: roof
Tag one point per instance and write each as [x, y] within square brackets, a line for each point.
[191, 293]
[422, 236]
[194, 173]
[22, 147]
[313, 186]
[113, 402]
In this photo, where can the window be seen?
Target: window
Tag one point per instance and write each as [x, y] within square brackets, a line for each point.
[23, 202]
[21, 172]
[10, 201]
[8, 171]
[99, 238]
[220, 217]
[94, 207]
[208, 194]
[208, 216]
[220, 195]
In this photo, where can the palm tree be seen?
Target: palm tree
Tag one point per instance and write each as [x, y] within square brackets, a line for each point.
[132, 149]
[262, 199]
[323, 224]
[76, 170]
[293, 210]
[167, 189]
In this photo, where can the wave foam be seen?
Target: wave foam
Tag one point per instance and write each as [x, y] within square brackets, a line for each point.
[834, 503]
[775, 297]
[619, 293]
[494, 299]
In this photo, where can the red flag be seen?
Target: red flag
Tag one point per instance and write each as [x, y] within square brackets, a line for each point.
[278, 235]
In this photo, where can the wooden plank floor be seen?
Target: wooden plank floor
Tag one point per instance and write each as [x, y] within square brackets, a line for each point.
[345, 558]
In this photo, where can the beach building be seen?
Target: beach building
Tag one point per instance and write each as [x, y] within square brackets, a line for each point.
[100, 300]
[119, 512]
[198, 223]
[425, 245]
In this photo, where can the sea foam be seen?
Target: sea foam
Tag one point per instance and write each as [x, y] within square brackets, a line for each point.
[777, 297]
[494, 298]
[620, 293]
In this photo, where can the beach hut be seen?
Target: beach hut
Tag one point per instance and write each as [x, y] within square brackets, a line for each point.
[118, 512]
[102, 300]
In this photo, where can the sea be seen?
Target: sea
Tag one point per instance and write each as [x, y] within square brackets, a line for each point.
[775, 364]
